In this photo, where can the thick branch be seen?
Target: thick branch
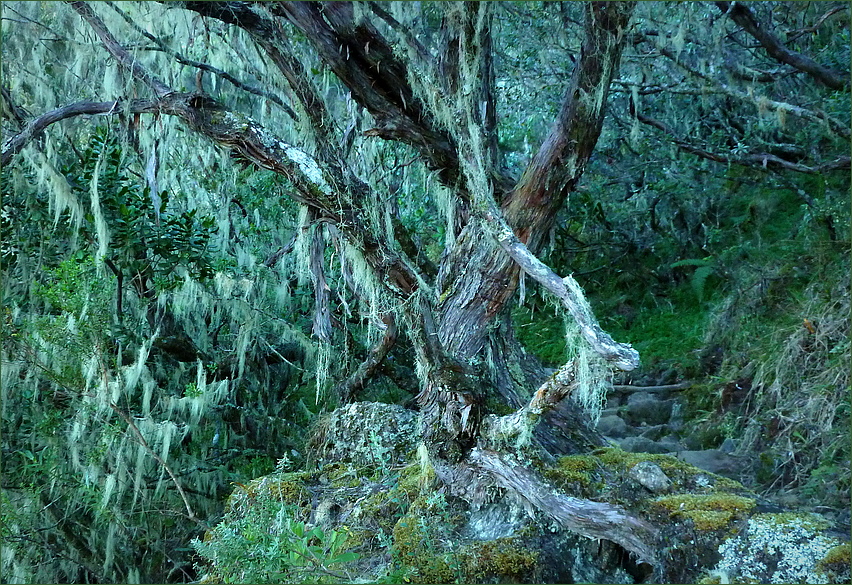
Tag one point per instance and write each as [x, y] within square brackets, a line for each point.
[598, 520]
[499, 429]
[358, 380]
[776, 49]
[568, 291]
[35, 128]
[317, 186]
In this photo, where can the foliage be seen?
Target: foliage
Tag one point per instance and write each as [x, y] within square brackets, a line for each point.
[159, 297]
[268, 544]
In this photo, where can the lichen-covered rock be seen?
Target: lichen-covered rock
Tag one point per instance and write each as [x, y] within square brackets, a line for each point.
[650, 476]
[366, 433]
[380, 513]
[779, 548]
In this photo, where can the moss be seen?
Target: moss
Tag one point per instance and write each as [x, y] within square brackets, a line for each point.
[502, 558]
[804, 520]
[575, 473]
[678, 471]
[707, 512]
[412, 548]
[836, 563]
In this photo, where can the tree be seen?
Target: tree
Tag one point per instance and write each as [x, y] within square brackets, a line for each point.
[366, 83]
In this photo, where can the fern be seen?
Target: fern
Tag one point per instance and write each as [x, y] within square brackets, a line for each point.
[704, 268]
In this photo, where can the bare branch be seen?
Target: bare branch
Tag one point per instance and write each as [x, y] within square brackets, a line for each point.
[585, 517]
[776, 49]
[756, 160]
[141, 440]
[793, 35]
[804, 113]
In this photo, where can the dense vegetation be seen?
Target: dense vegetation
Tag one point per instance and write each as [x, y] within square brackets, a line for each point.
[177, 316]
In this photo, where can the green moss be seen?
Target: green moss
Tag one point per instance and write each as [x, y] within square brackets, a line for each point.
[838, 555]
[805, 520]
[836, 563]
[574, 472]
[678, 471]
[503, 558]
[412, 548]
[707, 512]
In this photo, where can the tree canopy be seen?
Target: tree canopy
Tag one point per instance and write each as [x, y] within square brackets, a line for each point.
[222, 219]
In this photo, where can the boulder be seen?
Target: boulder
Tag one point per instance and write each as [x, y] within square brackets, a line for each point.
[644, 407]
[714, 461]
[614, 426]
[401, 522]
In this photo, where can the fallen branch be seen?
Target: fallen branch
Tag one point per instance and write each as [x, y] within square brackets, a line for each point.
[664, 388]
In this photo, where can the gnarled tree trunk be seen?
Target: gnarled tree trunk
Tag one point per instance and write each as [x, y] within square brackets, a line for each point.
[457, 318]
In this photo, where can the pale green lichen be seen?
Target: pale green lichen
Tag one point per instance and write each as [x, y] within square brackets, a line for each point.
[309, 168]
[777, 548]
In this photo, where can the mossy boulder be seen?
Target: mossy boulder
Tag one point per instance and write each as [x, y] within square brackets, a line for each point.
[370, 434]
[405, 525]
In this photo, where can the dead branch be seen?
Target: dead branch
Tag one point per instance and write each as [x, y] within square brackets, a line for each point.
[744, 17]
[141, 440]
[598, 520]
[664, 388]
[755, 160]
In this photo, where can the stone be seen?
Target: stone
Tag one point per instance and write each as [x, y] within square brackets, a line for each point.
[714, 461]
[613, 426]
[643, 445]
[366, 433]
[655, 433]
[650, 476]
[643, 407]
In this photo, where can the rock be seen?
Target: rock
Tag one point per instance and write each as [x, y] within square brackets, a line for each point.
[366, 433]
[676, 420]
[643, 407]
[714, 461]
[655, 433]
[613, 426]
[643, 445]
[671, 442]
[783, 548]
[650, 476]
[729, 445]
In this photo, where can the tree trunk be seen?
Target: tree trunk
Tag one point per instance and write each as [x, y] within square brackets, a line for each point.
[502, 228]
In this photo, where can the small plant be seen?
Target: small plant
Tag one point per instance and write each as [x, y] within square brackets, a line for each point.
[269, 544]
